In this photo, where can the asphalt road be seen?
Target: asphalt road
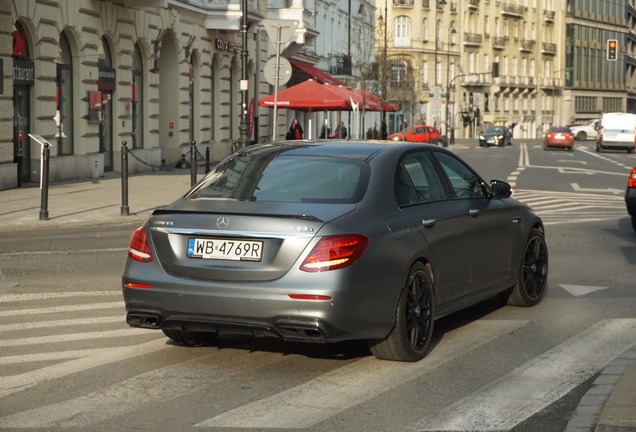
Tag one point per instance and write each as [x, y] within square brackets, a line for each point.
[70, 362]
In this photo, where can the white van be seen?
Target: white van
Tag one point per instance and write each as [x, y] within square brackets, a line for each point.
[617, 131]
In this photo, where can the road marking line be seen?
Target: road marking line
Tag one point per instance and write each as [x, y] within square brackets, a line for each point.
[331, 393]
[15, 383]
[159, 385]
[57, 309]
[538, 383]
[62, 323]
[39, 340]
[7, 298]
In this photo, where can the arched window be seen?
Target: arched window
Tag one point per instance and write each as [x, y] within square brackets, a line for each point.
[137, 99]
[425, 29]
[402, 31]
[64, 114]
[399, 70]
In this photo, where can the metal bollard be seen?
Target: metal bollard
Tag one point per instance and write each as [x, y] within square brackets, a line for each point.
[44, 182]
[193, 163]
[125, 211]
[207, 159]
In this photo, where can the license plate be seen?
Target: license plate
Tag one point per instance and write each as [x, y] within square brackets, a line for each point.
[225, 249]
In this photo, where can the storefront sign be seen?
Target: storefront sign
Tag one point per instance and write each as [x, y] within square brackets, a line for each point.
[229, 46]
[106, 78]
[23, 72]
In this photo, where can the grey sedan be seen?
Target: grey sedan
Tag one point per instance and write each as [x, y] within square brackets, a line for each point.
[329, 241]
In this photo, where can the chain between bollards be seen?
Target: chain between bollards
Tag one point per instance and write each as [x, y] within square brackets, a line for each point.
[125, 210]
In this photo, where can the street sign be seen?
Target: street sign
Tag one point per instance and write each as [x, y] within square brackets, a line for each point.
[280, 77]
[280, 31]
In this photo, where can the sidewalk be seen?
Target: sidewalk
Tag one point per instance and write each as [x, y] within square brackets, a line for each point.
[92, 201]
[608, 406]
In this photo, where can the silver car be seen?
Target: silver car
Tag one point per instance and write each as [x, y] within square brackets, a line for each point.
[333, 240]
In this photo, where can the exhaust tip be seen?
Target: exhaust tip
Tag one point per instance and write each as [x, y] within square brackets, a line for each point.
[143, 320]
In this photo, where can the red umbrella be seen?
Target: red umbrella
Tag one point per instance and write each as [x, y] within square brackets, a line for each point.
[374, 102]
[309, 96]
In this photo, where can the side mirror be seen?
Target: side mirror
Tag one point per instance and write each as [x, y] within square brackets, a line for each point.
[500, 188]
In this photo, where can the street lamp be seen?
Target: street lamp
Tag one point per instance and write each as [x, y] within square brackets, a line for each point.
[440, 6]
[451, 41]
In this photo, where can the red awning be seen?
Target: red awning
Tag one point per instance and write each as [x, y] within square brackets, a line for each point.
[317, 74]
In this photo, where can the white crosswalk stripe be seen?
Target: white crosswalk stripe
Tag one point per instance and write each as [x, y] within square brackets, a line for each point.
[571, 207]
[499, 406]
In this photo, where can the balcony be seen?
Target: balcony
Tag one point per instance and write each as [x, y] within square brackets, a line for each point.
[473, 4]
[549, 48]
[405, 3]
[526, 45]
[472, 39]
[498, 42]
[512, 10]
[548, 16]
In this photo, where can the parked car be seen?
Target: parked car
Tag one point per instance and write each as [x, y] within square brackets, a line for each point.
[558, 136]
[495, 136]
[327, 241]
[630, 197]
[586, 131]
[419, 134]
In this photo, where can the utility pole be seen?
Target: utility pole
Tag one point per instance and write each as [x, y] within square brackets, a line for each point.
[243, 127]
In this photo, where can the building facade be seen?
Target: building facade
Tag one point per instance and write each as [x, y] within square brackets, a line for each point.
[474, 62]
[592, 83]
[88, 76]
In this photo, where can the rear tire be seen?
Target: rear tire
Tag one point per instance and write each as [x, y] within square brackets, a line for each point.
[532, 277]
[414, 318]
[187, 338]
[581, 136]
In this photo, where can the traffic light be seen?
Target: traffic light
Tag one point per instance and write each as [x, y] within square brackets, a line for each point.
[612, 49]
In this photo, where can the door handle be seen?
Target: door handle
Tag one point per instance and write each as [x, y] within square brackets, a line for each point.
[473, 212]
[428, 222]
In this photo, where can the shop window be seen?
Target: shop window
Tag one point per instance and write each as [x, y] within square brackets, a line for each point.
[64, 114]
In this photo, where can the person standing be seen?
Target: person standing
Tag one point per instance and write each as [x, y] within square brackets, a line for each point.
[295, 131]
[341, 131]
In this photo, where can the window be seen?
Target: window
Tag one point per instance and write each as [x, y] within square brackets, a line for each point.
[399, 70]
[64, 81]
[137, 100]
[402, 31]
[274, 175]
[416, 181]
[465, 183]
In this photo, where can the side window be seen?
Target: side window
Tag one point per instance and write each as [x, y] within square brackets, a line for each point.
[417, 181]
[464, 181]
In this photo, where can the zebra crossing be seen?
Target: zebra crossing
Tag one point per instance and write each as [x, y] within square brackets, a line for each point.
[42, 355]
[572, 207]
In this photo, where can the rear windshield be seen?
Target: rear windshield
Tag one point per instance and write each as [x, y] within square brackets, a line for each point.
[286, 178]
[560, 129]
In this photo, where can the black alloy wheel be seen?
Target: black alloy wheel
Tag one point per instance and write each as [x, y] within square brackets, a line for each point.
[411, 336]
[532, 278]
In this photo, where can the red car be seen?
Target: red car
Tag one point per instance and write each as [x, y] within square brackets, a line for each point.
[558, 136]
[420, 134]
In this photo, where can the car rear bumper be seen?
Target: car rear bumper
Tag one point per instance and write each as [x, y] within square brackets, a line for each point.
[361, 309]
[630, 201]
[560, 144]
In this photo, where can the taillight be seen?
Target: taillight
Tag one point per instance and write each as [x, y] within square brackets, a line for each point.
[549, 135]
[335, 252]
[631, 182]
[138, 248]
